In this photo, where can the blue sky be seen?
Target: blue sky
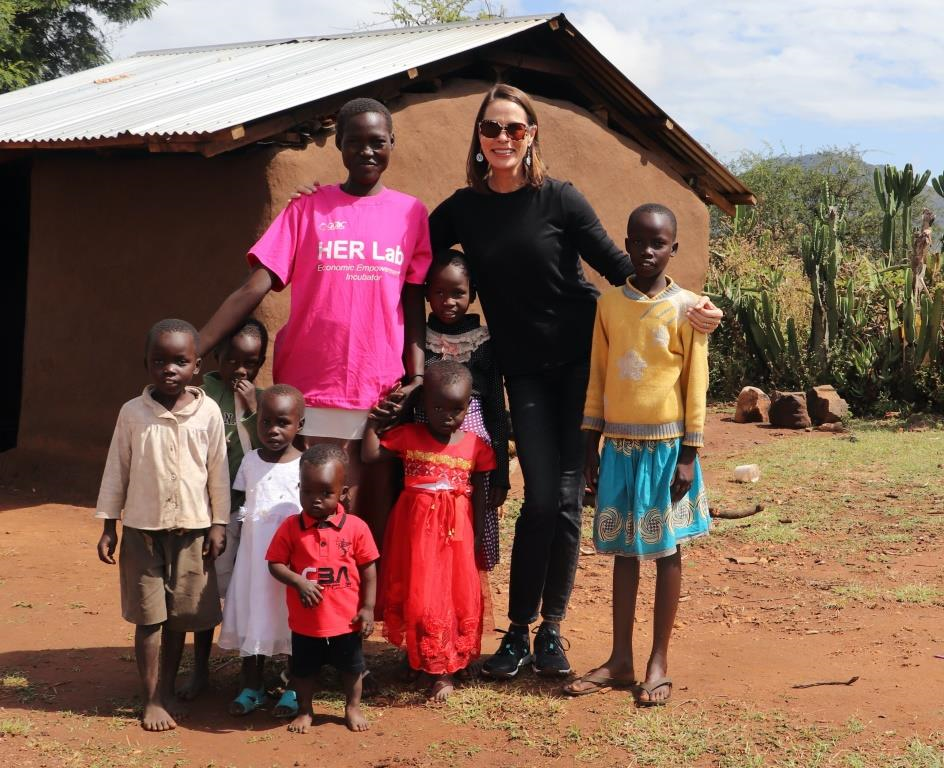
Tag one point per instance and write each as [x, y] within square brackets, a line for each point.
[789, 76]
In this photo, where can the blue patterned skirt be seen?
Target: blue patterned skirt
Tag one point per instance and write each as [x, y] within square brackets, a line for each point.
[635, 515]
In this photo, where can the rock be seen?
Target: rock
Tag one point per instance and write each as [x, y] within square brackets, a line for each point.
[836, 427]
[825, 405]
[788, 409]
[920, 422]
[752, 405]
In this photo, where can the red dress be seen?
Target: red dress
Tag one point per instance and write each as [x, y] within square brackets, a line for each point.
[430, 594]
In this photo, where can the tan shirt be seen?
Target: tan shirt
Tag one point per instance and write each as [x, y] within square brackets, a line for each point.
[166, 470]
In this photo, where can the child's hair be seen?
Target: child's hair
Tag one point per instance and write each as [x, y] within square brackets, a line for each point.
[654, 208]
[248, 327]
[284, 390]
[325, 453]
[447, 372]
[358, 107]
[170, 325]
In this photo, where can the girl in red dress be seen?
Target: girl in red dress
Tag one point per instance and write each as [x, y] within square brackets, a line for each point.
[430, 592]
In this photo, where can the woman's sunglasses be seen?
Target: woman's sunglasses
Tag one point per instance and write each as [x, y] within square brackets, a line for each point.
[492, 129]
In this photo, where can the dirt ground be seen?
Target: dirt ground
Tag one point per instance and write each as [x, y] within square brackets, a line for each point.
[810, 601]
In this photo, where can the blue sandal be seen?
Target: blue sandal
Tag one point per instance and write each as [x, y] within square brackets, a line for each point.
[247, 701]
[287, 703]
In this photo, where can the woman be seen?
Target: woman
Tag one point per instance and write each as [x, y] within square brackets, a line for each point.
[523, 234]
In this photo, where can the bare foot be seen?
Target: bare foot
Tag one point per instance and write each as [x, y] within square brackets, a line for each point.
[354, 718]
[300, 724]
[157, 718]
[197, 684]
[607, 675]
[443, 685]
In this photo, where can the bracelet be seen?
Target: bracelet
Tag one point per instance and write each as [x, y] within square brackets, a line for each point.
[416, 376]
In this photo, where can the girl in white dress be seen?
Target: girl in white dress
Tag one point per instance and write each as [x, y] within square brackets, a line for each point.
[255, 617]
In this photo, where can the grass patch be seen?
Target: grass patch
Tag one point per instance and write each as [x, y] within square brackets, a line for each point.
[857, 592]
[14, 682]
[528, 718]
[913, 594]
[449, 750]
[741, 737]
[917, 594]
[15, 726]
[842, 495]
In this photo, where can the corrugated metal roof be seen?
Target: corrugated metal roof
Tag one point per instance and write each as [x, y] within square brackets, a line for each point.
[202, 90]
[213, 98]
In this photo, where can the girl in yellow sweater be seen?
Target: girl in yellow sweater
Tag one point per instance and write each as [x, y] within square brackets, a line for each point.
[646, 398]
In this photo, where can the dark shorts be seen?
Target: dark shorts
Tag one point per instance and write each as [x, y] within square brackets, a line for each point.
[343, 652]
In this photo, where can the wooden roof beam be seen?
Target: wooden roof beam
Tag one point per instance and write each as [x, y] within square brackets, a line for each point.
[517, 60]
[714, 197]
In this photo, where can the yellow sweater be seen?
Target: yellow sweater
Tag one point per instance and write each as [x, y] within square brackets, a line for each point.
[648, 367]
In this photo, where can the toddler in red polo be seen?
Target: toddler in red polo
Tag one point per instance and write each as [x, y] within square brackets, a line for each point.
[328, 552]
[326, 559]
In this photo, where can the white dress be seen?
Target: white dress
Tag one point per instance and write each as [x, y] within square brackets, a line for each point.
[255, 615]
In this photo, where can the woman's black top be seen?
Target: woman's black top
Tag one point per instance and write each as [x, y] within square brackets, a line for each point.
[524, 249]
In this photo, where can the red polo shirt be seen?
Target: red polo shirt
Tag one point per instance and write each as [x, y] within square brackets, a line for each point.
[328, 552]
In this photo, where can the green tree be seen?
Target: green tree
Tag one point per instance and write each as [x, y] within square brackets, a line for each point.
[788, 193]
[43, 39]
[414, 13]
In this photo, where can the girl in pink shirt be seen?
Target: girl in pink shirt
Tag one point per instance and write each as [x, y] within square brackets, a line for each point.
[355, 256]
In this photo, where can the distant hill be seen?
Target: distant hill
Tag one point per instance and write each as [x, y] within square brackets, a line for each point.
[930, 198]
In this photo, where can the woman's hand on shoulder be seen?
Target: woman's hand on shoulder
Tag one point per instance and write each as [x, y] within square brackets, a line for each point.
[704, 315]
[305, 189]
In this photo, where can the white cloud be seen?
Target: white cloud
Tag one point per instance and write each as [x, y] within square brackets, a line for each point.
[844, 60]
[735, 74]
[183, 23]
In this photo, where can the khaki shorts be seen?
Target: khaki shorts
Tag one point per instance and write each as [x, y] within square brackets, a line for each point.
[166, 580]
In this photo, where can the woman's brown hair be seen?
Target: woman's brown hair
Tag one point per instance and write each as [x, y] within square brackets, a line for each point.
[477, 172]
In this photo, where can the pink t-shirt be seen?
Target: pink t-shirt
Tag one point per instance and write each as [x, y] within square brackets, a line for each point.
[346, 259]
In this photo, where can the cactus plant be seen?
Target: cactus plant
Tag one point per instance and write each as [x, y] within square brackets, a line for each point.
[822, 254]
[896, 191]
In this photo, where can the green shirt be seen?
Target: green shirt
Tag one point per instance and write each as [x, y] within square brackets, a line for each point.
[226, 399]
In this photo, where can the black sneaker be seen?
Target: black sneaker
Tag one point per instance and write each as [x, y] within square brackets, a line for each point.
[549, 658]
[513, 653]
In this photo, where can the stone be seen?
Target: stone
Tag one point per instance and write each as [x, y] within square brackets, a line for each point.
[825, 406]
[921, 422]
[752, 405]
[788, 409]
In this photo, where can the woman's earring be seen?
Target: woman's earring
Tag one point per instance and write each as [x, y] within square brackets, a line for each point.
[479, 157]
[527, 158]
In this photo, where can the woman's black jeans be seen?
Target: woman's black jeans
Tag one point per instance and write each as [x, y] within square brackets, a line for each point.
[546, 413]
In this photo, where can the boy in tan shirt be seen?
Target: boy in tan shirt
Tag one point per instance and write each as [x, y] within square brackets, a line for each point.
[167, 473]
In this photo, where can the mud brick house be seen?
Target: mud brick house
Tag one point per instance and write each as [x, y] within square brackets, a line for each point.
[132, 191]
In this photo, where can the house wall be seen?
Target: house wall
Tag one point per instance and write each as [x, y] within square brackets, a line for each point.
[116, 243]
[119, 241]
